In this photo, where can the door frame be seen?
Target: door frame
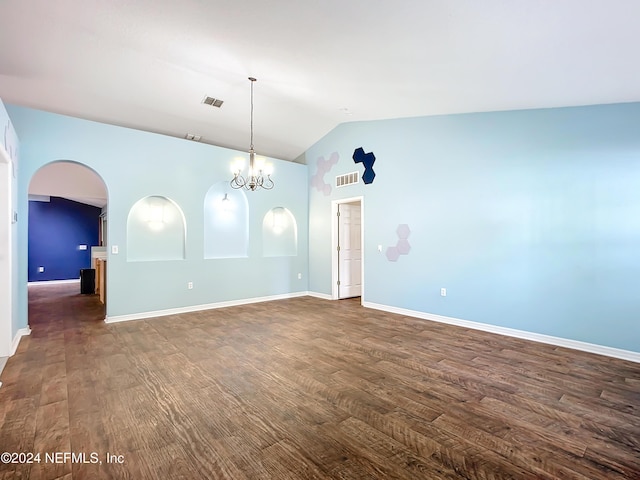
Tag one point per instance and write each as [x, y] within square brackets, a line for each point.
[334, 245]
[6, 260]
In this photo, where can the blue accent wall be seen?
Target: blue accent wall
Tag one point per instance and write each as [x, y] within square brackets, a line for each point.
[56, 230]
[530, 219]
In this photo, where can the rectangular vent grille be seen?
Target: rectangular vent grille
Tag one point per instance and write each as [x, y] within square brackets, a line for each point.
[347, 179]
[214, 102]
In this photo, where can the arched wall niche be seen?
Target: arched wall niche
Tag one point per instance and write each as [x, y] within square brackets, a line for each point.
[226, 222]
[156, 230]
[279, 233]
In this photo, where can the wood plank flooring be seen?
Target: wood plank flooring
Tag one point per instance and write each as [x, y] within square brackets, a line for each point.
[307, 388]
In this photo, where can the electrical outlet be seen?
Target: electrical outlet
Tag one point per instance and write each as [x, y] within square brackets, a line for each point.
[40, 269]
[379, 248]
[443, 292]
[190, 285]
[299, 276]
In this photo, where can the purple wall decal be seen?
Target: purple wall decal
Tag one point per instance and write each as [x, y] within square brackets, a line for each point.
[402, 247]
[324, 166]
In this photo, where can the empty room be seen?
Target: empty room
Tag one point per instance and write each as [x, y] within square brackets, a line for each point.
[286, 240]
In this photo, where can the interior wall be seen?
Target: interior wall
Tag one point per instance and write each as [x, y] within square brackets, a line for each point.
[135, 165]
[9, 161]
[5, 255]
[529, 219]
[57, 229]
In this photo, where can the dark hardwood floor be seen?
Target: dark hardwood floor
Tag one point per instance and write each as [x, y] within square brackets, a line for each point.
[306, 388]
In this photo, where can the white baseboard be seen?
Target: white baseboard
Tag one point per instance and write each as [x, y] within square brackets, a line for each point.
[53, 282]
[511, 332]
[198, 308]
[16, 340]
[323, 296]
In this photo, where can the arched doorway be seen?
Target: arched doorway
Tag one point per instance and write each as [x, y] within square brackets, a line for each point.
[67, 224]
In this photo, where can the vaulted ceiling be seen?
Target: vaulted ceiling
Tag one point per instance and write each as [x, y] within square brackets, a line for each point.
[148, 64]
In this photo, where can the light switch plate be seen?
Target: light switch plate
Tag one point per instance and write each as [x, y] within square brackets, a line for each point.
[114, 249]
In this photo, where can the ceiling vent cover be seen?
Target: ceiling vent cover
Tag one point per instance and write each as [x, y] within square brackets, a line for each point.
[214, 102]
[347, 179]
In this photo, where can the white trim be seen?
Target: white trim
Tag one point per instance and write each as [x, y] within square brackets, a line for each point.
[323, 296]
[3, 363]
[53, 282]
[16, 340]
[512, 332]
[197, 308]
[335, 294]
[6, 255]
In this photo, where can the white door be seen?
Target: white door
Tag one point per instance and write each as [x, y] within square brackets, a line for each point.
[349, 250]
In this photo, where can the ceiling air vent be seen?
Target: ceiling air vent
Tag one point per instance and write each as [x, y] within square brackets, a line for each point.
[214, 102]
[191, 136]
[347, 179]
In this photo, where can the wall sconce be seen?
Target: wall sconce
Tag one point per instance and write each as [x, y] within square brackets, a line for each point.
[226, 203]
[279, 220]
[155, 215]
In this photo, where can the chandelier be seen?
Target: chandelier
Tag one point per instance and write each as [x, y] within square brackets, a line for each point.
[259, 173]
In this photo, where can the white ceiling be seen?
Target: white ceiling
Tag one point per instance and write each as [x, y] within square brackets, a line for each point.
[147, 64]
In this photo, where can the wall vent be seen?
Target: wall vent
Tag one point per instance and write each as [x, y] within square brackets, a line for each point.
[347, 179]
[214, 102]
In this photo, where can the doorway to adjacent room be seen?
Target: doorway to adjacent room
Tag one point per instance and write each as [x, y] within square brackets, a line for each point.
[347, 257]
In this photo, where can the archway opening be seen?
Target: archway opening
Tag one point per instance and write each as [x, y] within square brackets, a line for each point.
[67, 225]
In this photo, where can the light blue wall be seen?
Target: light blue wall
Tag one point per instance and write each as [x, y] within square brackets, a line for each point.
[530, 219]
[135, 164]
